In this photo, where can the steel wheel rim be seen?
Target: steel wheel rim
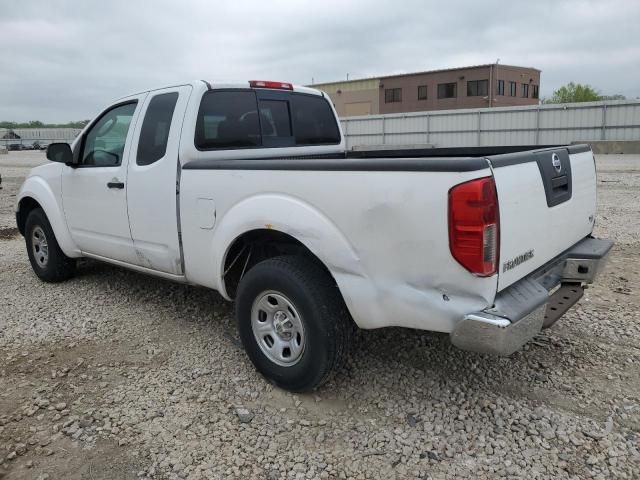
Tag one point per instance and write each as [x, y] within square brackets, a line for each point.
[40, 246]
[278, 328]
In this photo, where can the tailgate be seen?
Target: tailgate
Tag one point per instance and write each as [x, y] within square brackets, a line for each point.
[547, 201]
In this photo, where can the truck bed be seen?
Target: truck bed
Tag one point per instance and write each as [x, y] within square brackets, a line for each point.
[450, 159]
[465, 152]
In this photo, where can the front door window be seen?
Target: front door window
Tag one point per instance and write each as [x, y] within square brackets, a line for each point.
[104, 143]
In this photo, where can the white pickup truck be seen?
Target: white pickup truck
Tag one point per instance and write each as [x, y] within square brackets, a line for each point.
[247, 189]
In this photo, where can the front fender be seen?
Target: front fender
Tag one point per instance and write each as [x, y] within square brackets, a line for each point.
[301, 221]
[38, 188]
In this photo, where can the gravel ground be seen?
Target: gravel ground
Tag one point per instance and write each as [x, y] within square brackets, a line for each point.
[118, 375]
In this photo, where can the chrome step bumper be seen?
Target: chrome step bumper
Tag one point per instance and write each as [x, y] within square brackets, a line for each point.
[523, 309]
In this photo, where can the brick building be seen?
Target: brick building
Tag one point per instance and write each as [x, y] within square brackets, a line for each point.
[479, 86]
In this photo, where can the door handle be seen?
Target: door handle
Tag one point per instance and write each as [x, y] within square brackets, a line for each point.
[115, 185]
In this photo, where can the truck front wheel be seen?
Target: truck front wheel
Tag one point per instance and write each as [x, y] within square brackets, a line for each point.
[47, 259]
[292, 322]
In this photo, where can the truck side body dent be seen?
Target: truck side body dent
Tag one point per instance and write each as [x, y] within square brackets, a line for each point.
[390, 263]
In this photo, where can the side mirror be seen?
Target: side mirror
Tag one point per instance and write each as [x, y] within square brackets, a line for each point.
[60, 152]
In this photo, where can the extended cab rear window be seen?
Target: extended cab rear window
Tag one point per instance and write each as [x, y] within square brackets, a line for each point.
[230, 119]
[154, 134]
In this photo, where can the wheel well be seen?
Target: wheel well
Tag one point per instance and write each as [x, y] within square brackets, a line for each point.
[255, 246]
[26, 206]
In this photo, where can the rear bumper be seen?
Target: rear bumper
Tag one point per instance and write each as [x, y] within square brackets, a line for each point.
[523, 309]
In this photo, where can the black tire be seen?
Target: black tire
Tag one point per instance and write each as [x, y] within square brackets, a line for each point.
[327, 324]
[58, 267]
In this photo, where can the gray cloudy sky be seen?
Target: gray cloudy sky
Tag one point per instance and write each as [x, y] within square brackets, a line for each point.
[64, 60]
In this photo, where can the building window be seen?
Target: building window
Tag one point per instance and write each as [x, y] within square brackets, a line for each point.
[447, 90]
[536, 92]
[422, 92]
[500, 87]
[477, 88]
[512, 89]
[392, 95]
[525, 90]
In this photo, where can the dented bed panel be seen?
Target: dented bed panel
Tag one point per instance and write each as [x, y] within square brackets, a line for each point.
[382, 235]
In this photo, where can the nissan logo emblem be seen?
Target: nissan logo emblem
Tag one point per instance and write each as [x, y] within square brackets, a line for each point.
[555, 161]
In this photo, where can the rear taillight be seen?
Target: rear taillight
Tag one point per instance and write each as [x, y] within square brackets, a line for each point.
[270, 84]
[474, 234]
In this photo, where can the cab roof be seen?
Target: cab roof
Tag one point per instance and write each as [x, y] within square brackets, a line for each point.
[267, 84]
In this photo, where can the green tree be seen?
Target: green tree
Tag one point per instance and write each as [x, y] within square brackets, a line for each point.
[78, 124]
[574, 92]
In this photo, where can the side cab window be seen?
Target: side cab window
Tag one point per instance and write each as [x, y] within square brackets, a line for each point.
[103, 144]
[154, 134]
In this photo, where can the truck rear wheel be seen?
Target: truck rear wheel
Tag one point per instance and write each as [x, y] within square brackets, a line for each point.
[47, 259]
[293, 322]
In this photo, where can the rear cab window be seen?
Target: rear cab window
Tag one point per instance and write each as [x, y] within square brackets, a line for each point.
[257, 118]
[228, 119]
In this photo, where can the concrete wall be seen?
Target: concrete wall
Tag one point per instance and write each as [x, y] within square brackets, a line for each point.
[354, 103]
[629, 147]
[355, 97]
